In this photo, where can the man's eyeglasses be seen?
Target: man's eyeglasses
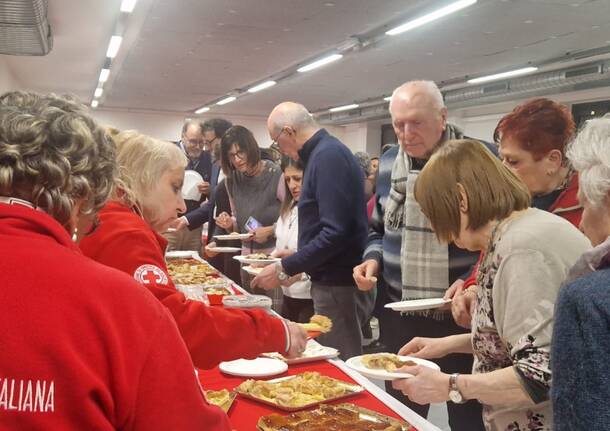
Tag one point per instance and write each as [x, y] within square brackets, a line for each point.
[278, 136]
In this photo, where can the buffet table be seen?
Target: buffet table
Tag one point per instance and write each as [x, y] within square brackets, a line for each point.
[245, 413]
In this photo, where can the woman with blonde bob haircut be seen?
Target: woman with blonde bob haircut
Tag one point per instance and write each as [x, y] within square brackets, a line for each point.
[476, 202]
[146, 200]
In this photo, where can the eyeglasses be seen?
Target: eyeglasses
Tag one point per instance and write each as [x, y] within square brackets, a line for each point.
[208, 143]
[280, 134]
[241, 155]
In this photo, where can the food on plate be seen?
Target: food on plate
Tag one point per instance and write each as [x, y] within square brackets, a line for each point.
[312, 352]
[339, 417]
[259, 256]
[318, 323]
[222, 398]
[385, 361]
[234, 233]
[300, 390]
[192, 271]
[217, 291]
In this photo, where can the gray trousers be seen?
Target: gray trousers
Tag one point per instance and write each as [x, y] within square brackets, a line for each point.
[184, 239]
[342, 305]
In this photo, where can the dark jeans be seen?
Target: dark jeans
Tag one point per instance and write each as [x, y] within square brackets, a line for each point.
[297, 310]
[396, 330]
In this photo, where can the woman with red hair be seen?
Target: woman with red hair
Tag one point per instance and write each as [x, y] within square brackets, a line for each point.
[532, 140]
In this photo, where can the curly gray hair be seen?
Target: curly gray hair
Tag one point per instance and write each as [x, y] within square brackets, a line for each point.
[53, 154]
[589, 154]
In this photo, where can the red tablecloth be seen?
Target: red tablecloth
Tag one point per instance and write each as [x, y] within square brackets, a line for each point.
[244, 413]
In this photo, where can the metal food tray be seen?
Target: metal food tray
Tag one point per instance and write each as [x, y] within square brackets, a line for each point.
[352, 390]
[364, 414]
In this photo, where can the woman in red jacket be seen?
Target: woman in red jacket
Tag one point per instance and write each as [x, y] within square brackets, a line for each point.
[532, 140]
[75, 357]
[146, 199]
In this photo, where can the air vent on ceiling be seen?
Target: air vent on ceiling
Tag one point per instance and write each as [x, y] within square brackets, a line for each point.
[24, 28]
[495, 88]
[577, 73]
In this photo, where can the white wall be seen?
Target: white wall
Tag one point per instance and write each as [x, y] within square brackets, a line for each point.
[167, 126]
[7, 80]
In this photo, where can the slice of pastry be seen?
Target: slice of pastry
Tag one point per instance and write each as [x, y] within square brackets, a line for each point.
[385, 361]
[318, 323]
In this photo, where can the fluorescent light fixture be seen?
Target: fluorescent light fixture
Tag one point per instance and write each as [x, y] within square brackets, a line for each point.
[262, 86]
[104, 75]
[508, 74]
[417, 22]
[94, 103]
[387, 99]
[113, 46]
[128, 5]
[319, 63]
[98, 92]
[344, 108]
[226, 100]
[202, 110]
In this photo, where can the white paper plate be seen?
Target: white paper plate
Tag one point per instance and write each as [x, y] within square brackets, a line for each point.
[314, 351]
[247, 301]
[241, 236]
[252, 270]
[189, 187]
[418, 304]
[224, 249]
[244, 259]
[259, 367]
[181, 254]
[356, 364]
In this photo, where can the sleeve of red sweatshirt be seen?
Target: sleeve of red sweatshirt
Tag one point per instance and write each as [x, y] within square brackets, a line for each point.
[168, 395]
[211, 334]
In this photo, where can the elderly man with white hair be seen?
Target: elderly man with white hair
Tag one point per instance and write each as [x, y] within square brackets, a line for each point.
[403, 258]
[332, 225]
[581, 337]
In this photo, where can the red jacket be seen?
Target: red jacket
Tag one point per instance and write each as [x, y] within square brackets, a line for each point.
[73, 356]
[212, 334]
[565, 206]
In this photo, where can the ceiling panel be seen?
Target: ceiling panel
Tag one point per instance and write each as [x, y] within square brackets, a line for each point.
[180, 54]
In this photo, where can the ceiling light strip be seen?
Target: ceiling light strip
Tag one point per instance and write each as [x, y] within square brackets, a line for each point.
[113, 46]
[425, 19]
[226, 100]
[262, 86]
[319, 63]
[127, 6]
[509, 74]
[344, 108]
[202, 110]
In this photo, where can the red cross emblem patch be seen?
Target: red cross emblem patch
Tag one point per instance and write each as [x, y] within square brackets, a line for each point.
[150, 274]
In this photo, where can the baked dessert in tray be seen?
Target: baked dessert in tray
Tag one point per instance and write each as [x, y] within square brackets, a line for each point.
[339, 417]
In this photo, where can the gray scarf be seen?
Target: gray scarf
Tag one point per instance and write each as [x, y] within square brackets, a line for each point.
[424, 262]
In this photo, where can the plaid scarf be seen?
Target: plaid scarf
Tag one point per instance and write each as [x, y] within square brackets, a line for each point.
[424, 261]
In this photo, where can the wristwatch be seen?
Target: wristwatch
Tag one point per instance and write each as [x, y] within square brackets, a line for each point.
[454, 392]
[281, 275]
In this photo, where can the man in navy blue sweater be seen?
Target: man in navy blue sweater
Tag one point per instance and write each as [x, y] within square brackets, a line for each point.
[332, 224]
